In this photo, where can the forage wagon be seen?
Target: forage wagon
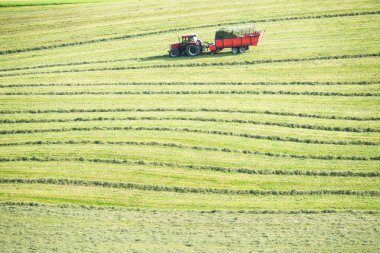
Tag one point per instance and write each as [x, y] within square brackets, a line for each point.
[238, 40]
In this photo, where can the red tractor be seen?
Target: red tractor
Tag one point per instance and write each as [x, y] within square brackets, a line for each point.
[239, 42]
[190, 45]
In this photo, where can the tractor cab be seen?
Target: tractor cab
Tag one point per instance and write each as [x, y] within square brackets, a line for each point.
[189, 44]
[189, 38]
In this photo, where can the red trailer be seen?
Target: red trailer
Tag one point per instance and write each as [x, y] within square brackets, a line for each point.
[239, 44]
[191, 45]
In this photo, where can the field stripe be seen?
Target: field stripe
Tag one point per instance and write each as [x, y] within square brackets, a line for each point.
[180, 146]
[180, 189]
[363, 83]
[20, 4]
[128, 36]
[198, 92]
[200, 64]
[151, 210]
[65, 64]
[190, 130]
[194, 167]
[292, 114]
[198, 119]
[95, 207]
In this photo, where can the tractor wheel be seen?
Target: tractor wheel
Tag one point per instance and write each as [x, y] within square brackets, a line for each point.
[242, 50]
[174, 52]
[193, 50]
[235, 50]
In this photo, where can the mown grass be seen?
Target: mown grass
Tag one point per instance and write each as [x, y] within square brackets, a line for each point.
[339, 106]
[315, 121]
[93, 112]
[18, 3]
[59, 194]
[180, 177]
[362, 69]
[258, 132]
[155, 230]
[189, 156]
[348, 89]
[302, 37]
[106, 20]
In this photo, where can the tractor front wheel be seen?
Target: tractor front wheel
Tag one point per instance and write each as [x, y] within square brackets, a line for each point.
[174, 52]
[193, 50]
[235, 50]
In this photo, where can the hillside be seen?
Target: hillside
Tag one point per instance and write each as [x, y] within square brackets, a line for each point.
[108, 144]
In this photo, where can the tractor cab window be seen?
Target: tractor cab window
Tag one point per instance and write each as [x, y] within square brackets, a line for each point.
[186, 40]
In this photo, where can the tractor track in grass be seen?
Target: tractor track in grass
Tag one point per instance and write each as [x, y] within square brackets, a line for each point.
[199, 119]
[362, 83]
[180, 189]
[200, 64]
[291, 114]
[191, 130]
[194, 167]
[202, 148]
[198, 92]
[129, 36]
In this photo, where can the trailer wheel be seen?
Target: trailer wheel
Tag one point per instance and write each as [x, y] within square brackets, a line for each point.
[193, 50]
[242, 50]
[235, 50]
[174, 52]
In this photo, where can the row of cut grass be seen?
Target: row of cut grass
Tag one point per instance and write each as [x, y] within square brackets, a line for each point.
[265, 116]
[187, 156]
[88, 112]
[154, 175]
[274, 133]
[297, 35]
[195, 64]
[181, 146]
[84, 28]
[136, 198]
[338, 89]
[362, 107]
[314, 71]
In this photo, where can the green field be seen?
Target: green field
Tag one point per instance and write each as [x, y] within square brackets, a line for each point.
[105, 229]
[107, 144]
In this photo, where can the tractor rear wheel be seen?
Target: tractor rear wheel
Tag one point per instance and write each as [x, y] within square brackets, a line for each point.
[235, 50]
[174, 52]
[241, 50]
[193, 50]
